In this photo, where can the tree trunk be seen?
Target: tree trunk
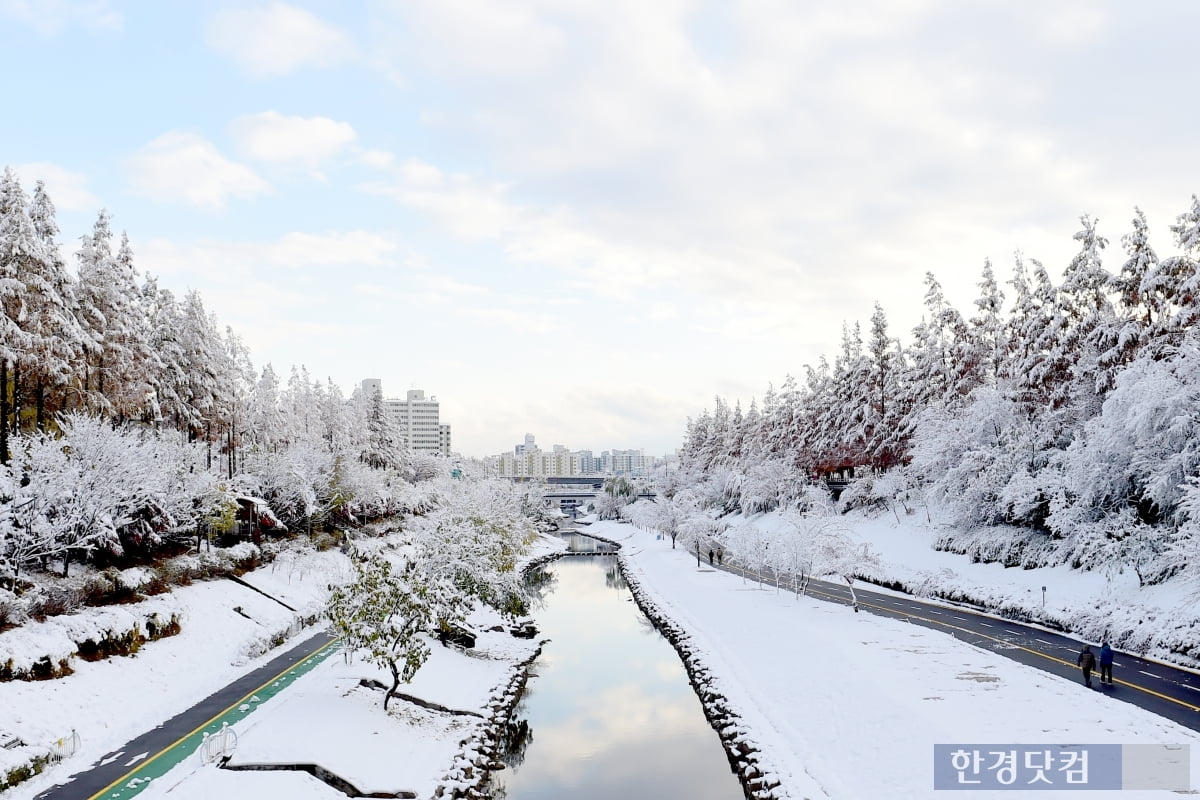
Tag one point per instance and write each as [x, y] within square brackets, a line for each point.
[16, 401]
[66, 562]
[39, 397]
[395, 684]
[3, 411]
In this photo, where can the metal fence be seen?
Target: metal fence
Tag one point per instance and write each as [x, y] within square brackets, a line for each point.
[65, 747]
[218, 746]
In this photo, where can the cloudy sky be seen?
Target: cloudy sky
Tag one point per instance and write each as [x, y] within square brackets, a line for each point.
[584, 218]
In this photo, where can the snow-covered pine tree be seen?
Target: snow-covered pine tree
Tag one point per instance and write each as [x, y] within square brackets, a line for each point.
[119, 356]
[18, 246]
[987, 330]
[1138, 307]
[1090, 321]
[56, 338]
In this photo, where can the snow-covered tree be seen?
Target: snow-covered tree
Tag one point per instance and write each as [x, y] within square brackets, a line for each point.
[383, 612]
[55, 338]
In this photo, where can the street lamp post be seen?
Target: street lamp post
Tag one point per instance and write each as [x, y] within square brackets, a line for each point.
[1043, 598]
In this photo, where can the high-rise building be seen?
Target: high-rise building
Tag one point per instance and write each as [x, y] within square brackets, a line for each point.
[624, 462]
[527, 461]
[589, 464]
[416, 418]
[527, 447]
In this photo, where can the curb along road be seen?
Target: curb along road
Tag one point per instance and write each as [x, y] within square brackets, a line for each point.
[123, 773]
[1161, 688]
[1158, 687]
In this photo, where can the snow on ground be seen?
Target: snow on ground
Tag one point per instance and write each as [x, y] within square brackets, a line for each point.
[327, 718]
[226, 629]
[1156, 621]
[840, 705]
[850, 706]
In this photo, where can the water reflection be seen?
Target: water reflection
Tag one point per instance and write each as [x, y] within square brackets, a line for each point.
[515, 739]
[613, 578]
[614, 713]
[540, 584]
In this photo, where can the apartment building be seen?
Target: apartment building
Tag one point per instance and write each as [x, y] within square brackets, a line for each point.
[416, 417]
[528, 461]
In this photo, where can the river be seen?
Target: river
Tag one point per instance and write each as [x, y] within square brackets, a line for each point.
[608, 712]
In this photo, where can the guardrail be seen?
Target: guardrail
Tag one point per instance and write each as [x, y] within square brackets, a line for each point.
[218, 746]
[65, 747]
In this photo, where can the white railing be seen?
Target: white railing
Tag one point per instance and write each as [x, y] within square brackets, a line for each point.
[65, 747]
[218, 746]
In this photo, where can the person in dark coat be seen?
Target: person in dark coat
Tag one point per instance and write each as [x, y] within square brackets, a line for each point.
[710, 556]
[1106, 662]
[1086, 662]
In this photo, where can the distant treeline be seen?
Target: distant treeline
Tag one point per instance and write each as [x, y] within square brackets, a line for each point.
[1072, 414]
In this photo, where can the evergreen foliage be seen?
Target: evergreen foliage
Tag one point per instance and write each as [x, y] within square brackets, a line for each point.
[1072, 416]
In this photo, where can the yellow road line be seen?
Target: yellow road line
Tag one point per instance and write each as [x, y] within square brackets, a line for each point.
[1007, 644]
[141, 765]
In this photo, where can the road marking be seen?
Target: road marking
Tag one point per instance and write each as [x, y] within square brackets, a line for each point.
[816, 592]
[273, 681]
[1151, 674]
[1031, 651]
[986, 625]
[1043, 641]
[136, 759]
[112, 758]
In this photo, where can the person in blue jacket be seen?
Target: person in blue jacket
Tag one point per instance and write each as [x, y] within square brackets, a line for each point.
[1106, 662]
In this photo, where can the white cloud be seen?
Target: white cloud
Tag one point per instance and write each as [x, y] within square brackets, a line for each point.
[68, 190]
[181, 167]
[662, 312]
[278, 39]
[353, 247]
[524, 322]
[379, 159]
[296, 249]
[478, 36]
[271, 136]
[49, 17]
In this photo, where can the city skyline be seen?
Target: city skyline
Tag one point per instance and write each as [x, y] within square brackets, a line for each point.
[591, 219]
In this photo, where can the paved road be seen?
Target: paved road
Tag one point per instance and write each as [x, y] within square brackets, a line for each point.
[126, 771]
[1163, 689]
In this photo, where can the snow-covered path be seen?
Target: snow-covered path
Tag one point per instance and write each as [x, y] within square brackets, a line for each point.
[850, 706]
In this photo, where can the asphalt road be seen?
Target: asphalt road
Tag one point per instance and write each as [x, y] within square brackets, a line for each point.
[125, 771]
[1163, 689]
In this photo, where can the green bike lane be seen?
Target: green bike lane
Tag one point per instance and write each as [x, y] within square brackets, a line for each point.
[123, 773]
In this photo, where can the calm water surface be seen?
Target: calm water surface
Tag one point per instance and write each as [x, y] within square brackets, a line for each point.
[610, 714]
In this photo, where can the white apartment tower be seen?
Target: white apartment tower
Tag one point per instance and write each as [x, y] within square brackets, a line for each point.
[416, 418]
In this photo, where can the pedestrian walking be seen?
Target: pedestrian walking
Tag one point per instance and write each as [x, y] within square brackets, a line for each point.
[1086, 662]
[710, 556]
[1106, 662]
[720, 556]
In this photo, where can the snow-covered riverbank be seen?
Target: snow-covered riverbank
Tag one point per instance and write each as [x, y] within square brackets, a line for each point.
[841, 705]
[326, 717]
[1158, 621]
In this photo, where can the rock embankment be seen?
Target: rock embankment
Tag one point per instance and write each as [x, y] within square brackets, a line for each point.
[758, 782]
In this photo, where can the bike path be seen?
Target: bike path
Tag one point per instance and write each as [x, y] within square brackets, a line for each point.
[123, 773]
[1161, 688]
